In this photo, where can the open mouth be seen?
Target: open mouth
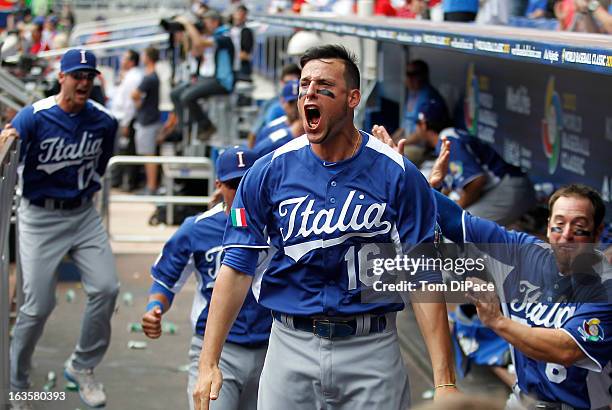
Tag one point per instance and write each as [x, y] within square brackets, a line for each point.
[81, 92]
[313, 116]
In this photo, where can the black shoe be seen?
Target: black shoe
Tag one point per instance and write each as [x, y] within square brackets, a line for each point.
[204, 134]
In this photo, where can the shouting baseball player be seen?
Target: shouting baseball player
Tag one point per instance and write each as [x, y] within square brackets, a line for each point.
[197, 246]
[67, 141]
[316, 203]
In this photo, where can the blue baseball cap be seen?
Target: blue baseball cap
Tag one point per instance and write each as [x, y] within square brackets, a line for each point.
[39, 20]
[77, 59]
[234, 162]
[291, 91]
[433, 110]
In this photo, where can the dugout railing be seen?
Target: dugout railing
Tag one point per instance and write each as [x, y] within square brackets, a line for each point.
[9, 158]
[173, 168]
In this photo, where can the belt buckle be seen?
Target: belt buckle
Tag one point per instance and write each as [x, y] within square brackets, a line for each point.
[321, 324]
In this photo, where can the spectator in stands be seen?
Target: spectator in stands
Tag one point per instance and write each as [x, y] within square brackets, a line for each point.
[147, 124]
[244, 41]
[480, 181]
[494, 12]
[67, 19]
[537, 9]
[36, 41]
[565, 12]
[49, 30]
[418, 92]
[274, 135]
[384, 8]
[124, 109]
[186, 95]
[460, 10]
[596, 18]
[122, 104]
[272, 109]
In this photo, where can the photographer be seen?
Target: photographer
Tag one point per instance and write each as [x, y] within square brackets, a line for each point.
[220, 82]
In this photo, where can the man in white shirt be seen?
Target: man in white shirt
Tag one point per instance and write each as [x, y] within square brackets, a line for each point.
[122, 105]
[123, 108]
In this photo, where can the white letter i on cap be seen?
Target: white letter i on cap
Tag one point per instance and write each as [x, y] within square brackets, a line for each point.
[241, 163]
[83, 59]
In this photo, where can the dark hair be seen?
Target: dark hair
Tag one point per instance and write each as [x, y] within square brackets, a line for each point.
[233, 183]
[581, 191]
[152, 53]
[437, 126]
[133, 56]
[335, 51]
[421, 68]
[291, 69]
[243, 8]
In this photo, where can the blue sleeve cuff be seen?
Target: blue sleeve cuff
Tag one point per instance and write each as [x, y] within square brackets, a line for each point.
[242, 259]
[450, 217]
[156, 287]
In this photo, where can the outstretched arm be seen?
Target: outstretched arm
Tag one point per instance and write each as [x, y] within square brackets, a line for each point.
[230, 290]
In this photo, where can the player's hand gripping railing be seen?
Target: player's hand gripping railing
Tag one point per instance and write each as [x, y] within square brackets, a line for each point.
[9, 157]
[174, 168]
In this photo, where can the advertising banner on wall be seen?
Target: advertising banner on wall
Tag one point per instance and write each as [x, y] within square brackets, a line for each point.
[554, 123]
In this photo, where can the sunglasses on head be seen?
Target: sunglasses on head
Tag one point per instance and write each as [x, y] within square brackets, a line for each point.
[83, 75]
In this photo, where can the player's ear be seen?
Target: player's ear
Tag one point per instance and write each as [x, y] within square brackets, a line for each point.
[60, 77]
[217, 184]
[597, 233]
[354, 97]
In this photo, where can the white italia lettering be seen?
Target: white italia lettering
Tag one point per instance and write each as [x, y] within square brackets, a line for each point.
[282, 211]
[56, 154]
[549, 315]
[323, 221]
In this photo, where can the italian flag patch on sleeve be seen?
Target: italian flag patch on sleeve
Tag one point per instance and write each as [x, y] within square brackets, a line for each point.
[238, 217]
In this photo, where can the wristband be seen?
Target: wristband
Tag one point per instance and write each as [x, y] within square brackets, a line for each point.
[154, 303]
[445, 385]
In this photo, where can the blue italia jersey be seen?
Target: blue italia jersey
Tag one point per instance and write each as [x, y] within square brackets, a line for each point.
[276, 138]
[64, 155]
[471, 158]
[587, 384]
[196, 247]
[323, 218]
[270, 127]
[415, 103]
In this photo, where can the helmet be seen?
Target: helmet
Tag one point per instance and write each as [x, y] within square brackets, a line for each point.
[302, 41]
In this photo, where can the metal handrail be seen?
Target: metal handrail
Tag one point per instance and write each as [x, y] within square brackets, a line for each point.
[161, 38]
[9, 158]
[122, 23]
[170, 199]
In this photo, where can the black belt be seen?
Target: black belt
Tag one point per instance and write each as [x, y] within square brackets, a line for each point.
[63, 204]
[333, 328]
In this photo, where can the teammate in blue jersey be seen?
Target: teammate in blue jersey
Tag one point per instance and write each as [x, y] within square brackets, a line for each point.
[479, 180]
[197, 248]
[561, 350]
[419, 91]
[274, 137]
[271, 111]
[316, 203]
[67, 141]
